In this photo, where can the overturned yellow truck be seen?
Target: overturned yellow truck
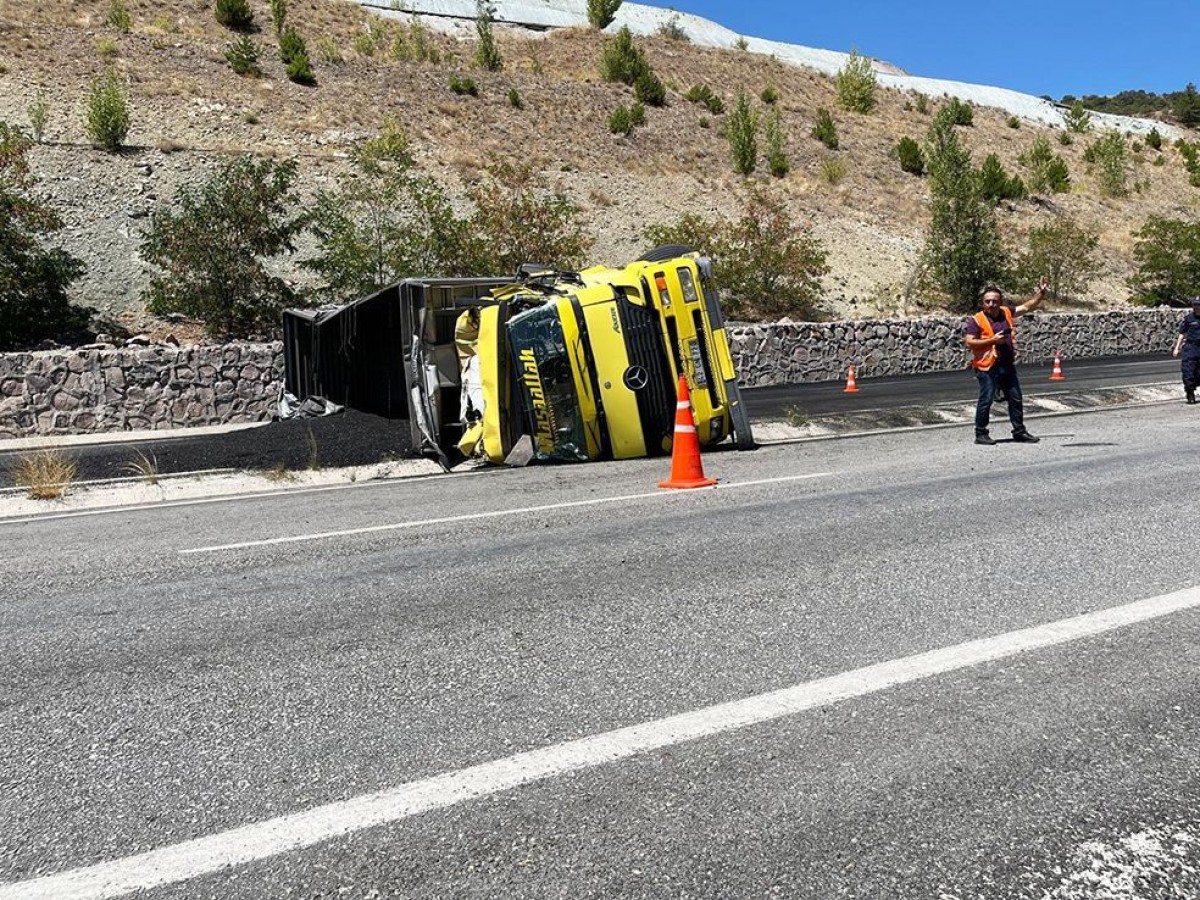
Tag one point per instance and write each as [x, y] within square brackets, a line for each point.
[581, 366]
[545, 366]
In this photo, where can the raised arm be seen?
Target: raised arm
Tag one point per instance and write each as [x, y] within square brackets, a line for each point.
[1036, 300]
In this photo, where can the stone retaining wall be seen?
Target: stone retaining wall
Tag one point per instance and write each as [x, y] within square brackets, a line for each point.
[155, 387]
[803, 351]
[53, 392]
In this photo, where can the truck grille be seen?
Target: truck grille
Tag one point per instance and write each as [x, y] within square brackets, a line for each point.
[656, 402]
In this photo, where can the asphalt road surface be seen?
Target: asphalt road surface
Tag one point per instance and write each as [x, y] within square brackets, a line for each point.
[897, 666]
[354, 438]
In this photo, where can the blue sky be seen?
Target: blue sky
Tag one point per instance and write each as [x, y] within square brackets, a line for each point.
[1053, 47]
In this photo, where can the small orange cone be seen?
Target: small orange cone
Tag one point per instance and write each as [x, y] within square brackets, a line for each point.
[1056, 374]
[686, 470]
[851, 384]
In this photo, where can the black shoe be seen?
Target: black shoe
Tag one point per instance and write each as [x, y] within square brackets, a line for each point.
[1024, 437]
[984, 438]
[1191, 397]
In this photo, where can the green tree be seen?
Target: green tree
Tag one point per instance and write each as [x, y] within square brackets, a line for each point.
[279, 15]
[908, 152]
[213, 245]
[703, 94]
[957, 113]
[856, 83]
[294, 54]
[825, 131]
[776, 144]
[601, 13]
[519, 219]
[1186, 107]
[487, 54]
[235, 14]
[765, 264]
[1168, 256]
[995, 184]
[385, 222]
[242, 55]
[650, 90]
[1108, 160]
[1046, 169]
[1077, 118]
[622, 60]
[33, 279]
[742, 133]
[107, 112]
[1062, 251]
[962, 251]
[118, 16]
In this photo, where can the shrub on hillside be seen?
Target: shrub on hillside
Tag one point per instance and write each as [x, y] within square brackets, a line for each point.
[620, 121]
[601, 13]
[1108, 161]
[622, 60]
[1063, 252]
[741, 130]
[908, 152]
[995, 184]
[855, 83]
[487, 54]
[765, 264]
[1168, 256]
[672, 30]
[235, 14]
[213, 243]
[33, 278]
[242, 55]
[650, 90]
[107, 107]
[118, 16]
[956, 112]
[1077, 118]
[775, 140]
[518, 219]
[279, 15]
[703, 94]
[1154, 139]
[294, 53]
[825, 131]
[1046, 170]
[385, 222]
[464, 85]
[769, 95]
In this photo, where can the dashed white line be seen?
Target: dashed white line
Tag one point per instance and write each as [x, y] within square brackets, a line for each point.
[191, 859]
[490, 514]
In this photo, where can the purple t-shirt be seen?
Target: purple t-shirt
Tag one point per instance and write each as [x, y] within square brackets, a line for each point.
[1004, 351]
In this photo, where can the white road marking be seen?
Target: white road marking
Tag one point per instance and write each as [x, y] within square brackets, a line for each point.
[227, 498]
[490, 514]
[191, 859]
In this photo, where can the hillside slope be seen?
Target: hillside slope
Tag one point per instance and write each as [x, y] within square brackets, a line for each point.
[189, 110]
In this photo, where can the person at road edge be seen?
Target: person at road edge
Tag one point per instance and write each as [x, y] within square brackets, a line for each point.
[1187, 349]
[989, 335]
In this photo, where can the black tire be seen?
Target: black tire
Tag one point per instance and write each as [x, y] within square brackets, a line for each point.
[666, 251]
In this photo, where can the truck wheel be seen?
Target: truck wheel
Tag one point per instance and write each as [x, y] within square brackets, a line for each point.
[666, 251]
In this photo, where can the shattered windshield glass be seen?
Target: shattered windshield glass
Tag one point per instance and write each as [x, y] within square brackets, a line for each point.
[542, 370]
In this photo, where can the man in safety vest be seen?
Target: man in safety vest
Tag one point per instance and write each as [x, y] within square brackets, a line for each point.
[989, 337]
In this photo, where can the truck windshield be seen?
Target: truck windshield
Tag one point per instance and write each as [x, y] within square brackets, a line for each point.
[546, 385]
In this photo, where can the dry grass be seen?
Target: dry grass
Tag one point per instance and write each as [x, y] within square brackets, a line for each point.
[45, 474]
[143, 466]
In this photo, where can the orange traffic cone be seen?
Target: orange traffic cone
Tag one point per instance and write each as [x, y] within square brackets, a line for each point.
[686, 470]
[1056, 374]
[851, 384]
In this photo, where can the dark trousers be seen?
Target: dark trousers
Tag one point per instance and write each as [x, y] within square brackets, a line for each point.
[1189, 363]
[1000, 377]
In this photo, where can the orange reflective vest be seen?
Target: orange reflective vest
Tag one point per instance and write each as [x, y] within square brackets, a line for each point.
[984, 358]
